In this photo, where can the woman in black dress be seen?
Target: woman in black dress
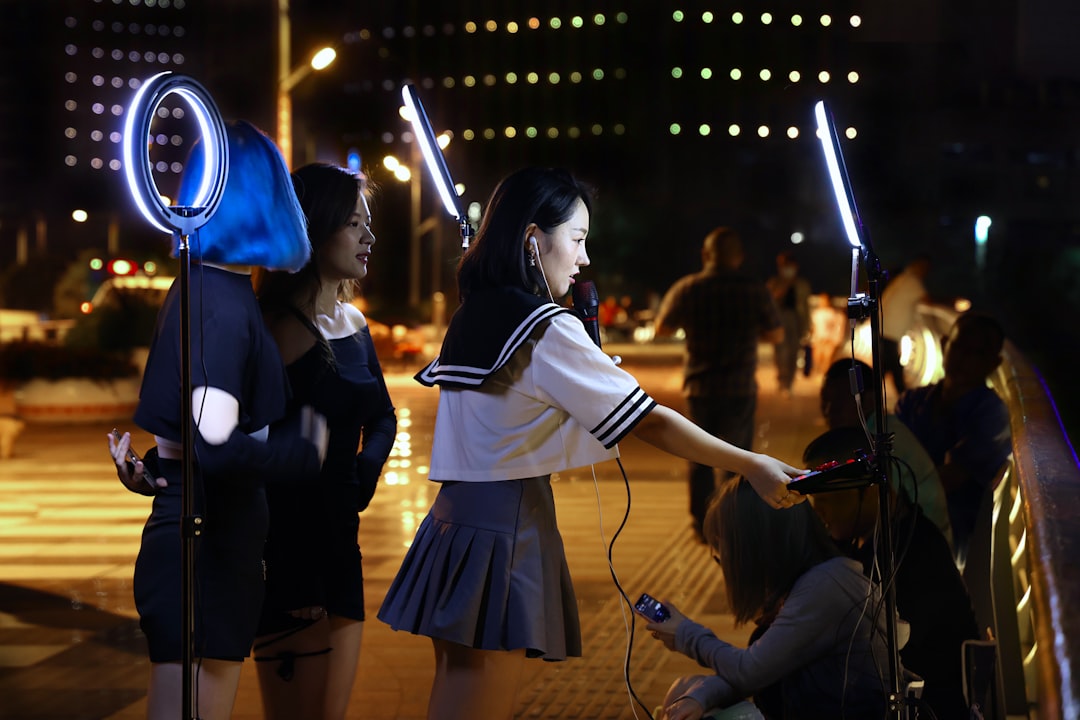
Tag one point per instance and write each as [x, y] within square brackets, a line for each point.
[312, 620]
[239, 396]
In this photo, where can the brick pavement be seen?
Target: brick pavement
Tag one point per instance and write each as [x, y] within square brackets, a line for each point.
[69, 642]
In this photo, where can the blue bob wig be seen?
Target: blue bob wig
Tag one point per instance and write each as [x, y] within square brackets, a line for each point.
[259, 220]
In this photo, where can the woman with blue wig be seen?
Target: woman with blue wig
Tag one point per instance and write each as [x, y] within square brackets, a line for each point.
[240, 441]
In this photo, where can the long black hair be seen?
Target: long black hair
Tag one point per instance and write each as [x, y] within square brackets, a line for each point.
[496, 258]
[762, 551]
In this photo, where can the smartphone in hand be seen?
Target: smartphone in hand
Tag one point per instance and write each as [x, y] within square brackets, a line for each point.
[131, 459]
[651, 609]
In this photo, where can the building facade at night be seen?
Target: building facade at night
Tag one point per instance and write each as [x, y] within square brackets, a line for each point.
[684, 117]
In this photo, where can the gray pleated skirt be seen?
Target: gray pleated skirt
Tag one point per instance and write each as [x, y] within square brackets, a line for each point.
[487, 569]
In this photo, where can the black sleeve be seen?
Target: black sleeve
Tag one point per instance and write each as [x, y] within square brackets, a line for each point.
[284, 457]
[377, 442]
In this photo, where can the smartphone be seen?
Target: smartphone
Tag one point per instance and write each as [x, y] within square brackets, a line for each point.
[651, 609]
[132, 458]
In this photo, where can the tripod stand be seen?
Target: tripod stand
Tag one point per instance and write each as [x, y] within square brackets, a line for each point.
[862, 306]
[182, 222]
[870, 469]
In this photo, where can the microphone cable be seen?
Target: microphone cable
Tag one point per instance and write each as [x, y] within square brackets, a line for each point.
[625, 604]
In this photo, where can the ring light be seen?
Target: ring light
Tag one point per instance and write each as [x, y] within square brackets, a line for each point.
[137, 167]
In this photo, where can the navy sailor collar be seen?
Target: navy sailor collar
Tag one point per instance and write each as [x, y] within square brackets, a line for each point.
[483, 335]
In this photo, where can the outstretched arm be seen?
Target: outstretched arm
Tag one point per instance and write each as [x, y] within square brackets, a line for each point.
[671, 432]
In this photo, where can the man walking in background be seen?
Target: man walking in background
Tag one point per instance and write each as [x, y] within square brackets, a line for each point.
[791, 292]
[724, 314]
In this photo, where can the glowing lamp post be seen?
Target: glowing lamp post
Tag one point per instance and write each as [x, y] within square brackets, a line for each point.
[289, 78]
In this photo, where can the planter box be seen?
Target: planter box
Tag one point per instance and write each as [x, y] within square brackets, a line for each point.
[77, 400]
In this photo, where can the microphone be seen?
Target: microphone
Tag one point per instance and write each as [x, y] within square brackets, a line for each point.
[587, 305]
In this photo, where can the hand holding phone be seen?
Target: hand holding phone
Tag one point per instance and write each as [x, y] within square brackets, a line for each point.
[651, 609]
[132, 472]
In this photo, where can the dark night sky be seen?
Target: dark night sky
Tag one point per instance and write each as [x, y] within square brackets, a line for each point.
[963, 108]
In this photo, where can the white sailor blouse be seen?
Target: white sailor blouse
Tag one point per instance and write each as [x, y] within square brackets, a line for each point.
[524, 392]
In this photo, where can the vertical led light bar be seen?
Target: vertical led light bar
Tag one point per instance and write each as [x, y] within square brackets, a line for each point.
[868, 305]
[433, 158]
[834, 159]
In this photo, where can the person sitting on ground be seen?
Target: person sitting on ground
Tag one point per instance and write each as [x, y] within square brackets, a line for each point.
[914, 470]
[822, 652]
[962, 422]
[930, 594]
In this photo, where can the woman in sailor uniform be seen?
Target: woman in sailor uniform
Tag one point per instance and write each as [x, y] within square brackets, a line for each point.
[524, 393]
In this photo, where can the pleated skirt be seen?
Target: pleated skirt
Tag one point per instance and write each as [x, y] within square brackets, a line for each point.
[487, 569]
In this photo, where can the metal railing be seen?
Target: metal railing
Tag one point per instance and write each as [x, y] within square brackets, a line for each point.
[1033, 577]
[1044, 536]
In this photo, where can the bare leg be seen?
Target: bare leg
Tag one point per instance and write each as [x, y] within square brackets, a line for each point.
[345, 636]
[472, 683]
[215, 682]
[302, 693]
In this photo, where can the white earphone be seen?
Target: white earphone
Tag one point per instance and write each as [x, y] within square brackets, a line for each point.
[536, 258]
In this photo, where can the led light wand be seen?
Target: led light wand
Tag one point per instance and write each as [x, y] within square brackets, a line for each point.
[435, 162]
[863, 305]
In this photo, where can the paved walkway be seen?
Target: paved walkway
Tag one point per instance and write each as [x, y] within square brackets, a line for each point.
[69, 641]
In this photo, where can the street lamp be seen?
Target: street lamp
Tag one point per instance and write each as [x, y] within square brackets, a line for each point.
[419, 227]
[288, 79]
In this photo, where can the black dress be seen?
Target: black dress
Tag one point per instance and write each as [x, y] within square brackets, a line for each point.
[312, 555]
[230, 350]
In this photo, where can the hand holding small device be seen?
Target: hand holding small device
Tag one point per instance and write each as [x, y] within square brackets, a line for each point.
[129, 466]
[663, 619]
[651, 609]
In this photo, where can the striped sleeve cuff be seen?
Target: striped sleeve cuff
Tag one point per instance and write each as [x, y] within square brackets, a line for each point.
[623, 418]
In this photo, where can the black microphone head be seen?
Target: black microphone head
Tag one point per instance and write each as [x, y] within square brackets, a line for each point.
[586, 299]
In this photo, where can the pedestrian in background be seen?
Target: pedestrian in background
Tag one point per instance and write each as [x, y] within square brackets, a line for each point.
[791, 293]
[962, 422]
[724, 313]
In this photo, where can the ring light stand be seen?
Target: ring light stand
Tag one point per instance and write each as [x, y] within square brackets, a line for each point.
[861, 306]
[181, 222]
[435, 162]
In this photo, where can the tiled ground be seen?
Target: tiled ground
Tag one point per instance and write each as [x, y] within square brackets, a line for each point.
[69, 642]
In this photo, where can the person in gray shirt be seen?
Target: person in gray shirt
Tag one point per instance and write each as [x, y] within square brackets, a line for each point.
[819, 650]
